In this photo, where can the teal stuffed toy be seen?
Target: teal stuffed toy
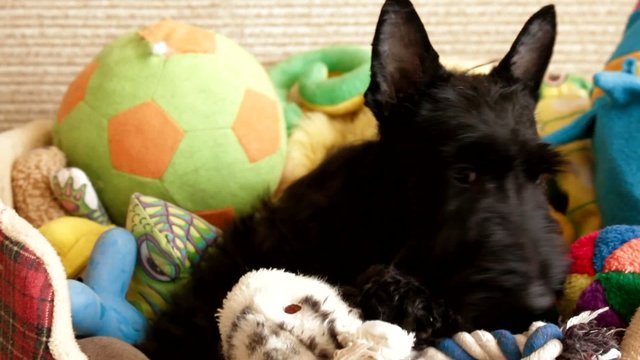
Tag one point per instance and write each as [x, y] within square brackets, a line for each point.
[613, 124]
[98, 305]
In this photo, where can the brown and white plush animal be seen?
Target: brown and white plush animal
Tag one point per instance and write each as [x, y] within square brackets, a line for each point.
[274, 314]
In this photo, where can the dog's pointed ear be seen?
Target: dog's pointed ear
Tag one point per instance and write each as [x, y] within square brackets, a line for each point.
[403, 61]
[529, 56]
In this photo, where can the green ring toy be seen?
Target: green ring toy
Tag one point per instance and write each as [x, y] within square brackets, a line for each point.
[318, 90]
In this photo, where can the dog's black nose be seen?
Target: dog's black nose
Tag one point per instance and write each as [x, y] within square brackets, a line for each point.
[539, 298]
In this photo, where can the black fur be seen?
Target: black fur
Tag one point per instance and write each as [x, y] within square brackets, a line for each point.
[440, 225]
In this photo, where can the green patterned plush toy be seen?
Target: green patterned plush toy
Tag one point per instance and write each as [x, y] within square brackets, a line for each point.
[170, 242]
[179, 113]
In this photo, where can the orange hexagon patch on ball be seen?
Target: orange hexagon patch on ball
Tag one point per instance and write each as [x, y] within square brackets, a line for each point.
[143, 140]
[257, 125]
[76, 91]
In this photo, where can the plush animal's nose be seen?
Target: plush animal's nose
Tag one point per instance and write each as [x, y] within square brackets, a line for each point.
[539, 297]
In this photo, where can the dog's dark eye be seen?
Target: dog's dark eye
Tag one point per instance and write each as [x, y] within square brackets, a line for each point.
[539, 180]
[464, 175]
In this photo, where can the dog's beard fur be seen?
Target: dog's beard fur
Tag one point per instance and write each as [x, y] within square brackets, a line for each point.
[440, 225]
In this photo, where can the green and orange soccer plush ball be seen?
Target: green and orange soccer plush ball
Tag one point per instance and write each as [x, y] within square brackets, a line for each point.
[176, 112]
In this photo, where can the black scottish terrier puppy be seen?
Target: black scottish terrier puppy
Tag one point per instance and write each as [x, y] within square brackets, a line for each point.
[440, 225]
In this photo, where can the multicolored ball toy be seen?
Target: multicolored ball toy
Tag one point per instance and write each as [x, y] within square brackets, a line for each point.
[605, 273]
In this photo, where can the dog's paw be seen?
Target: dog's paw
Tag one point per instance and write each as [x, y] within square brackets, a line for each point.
[389, 295]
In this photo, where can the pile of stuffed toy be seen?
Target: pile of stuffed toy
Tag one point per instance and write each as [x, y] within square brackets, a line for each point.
[145, 174]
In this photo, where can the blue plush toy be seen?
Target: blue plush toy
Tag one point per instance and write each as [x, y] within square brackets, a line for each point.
[98, 305]
[613, 124]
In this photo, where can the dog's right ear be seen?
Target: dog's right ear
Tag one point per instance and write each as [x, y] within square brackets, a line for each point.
[403, 61]
[529, 56]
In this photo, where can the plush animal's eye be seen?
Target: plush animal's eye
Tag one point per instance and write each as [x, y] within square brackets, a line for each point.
[156, 263]
[464, 175]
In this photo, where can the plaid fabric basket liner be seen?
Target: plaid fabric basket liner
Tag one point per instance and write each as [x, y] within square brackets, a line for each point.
[26, 303]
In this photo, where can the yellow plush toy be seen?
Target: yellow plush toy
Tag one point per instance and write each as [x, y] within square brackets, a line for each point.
[73, 239]
[564, 97]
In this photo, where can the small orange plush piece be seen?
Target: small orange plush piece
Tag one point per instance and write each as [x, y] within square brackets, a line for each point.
[220, 218]
[180, 38]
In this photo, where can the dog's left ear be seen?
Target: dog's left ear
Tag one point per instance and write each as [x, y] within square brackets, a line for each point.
[529, 56]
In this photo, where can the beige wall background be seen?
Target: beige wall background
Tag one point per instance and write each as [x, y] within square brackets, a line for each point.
[45, 43]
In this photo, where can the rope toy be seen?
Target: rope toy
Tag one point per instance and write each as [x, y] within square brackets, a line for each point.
[542, 339]
[580, 338]
[318, 89]
[630, 344]
[302, 317]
